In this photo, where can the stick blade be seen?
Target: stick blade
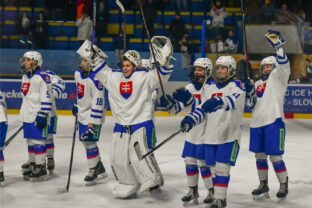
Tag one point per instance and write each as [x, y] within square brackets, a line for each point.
[61, 190]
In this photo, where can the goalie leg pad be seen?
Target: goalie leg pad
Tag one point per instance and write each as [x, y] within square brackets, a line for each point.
[147, 170]
[122, 168]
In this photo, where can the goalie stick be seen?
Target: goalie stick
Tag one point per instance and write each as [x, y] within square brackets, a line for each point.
[138, 149]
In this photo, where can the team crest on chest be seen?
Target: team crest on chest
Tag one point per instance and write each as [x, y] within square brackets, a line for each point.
[260, 90]
[80, 90]
[25, 87]
[217, 94]
[125, 89]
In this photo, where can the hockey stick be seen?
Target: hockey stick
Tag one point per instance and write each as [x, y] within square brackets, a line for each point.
[66, 189]
[9, 140]
[152, 49]
[94, 22]
[245, 38]
[138, 149]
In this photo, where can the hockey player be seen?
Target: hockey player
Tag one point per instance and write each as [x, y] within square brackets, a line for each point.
[34, 113]
[267, 128]
[193, 152]
[222, 109]
[3, 132]
[90, 109]
[58, 86]
[130, 92]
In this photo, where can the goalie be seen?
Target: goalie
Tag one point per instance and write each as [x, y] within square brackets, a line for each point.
[130, 94]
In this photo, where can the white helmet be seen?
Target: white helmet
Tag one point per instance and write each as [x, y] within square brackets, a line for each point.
[269, 60]
[205, 63]
[229, 62]
[134, 57]
[34, 56]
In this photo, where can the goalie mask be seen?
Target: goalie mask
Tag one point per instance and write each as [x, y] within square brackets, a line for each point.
[267, 65]
[201, 70]
[35, 58]
[224, 61]
[134, 57]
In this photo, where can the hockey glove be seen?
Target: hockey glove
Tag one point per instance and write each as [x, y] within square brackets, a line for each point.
[75, 109]
[249, 86]
[41, 120]
[212, 105]
[187, 123]
[183, 96]
[167, 101]
[275, 38]
[89, 134]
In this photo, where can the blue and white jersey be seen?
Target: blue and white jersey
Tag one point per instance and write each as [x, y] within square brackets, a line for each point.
[131, 98]
[90, 99]
[3, 107]
[271, 93]
[58, 87]
[225, 124]
[36, 93]
[197, 133]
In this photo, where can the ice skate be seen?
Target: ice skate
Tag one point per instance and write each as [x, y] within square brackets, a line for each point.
[95, 174]
[262, 192]
[27, 171]
[191, 198]
[155, 190]
[50, 165]
[218, 203]
[39, 173]
[2, 179]
[283, 191]
[209, 198]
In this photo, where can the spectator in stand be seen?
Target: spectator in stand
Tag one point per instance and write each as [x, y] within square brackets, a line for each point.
[84, 25]
[40, 32]
[185, 47]
[150, 15]
[25, 30]
[231, 43]
[102, 18]
[70, 10]
[242, 68]
[218, 14]
[176, 30]
[83, 6]
[217, 46]
[267, 12]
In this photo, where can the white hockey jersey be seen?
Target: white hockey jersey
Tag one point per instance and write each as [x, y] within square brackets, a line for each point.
[196, 134]
[90, 99]
[271, 93]
[3, 107]
[36, 93]
[225, 124]
[130, 98]
[58, 87]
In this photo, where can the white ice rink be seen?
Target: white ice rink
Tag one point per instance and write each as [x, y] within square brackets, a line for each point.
[22, 194]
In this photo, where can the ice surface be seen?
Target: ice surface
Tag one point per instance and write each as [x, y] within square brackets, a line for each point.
[20, 193]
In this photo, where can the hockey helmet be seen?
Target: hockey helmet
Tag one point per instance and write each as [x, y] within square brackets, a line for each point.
[134, 57]
[227, 61]
[204, 63]
[34, 56]
[270, 60]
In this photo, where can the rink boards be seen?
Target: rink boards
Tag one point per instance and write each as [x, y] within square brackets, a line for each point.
[298, 102]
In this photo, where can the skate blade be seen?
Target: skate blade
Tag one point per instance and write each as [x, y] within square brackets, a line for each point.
[101, 176]
[262, 196]
[51, 172]
[192, 203]
[40, 179]
[281, 199]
